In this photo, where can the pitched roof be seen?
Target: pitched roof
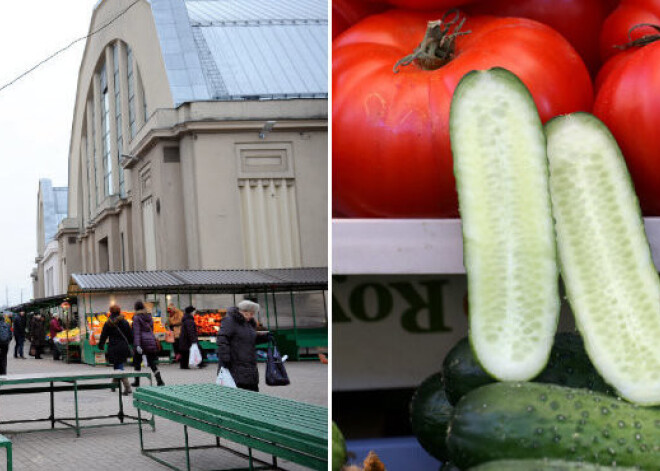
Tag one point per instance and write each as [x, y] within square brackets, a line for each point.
[248, 49]
[201, 281]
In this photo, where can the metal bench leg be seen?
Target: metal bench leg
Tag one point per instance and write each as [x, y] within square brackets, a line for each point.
[75, 395]
[52, 406]
[121, 404]
[185, 432]
[140, 426]
[9, 458]
[250, 459]
[274, 461]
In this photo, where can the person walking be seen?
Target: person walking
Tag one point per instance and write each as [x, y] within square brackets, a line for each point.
[5, 339]
[236, 344]
[174, 320]
[118, 334]
[37, 335]
[145, 344]
[55, 327]
[188, 338]
[18, 324]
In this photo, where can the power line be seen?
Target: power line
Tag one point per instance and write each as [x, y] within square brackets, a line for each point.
[82, 38]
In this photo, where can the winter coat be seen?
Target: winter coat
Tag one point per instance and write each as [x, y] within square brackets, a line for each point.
[236, 348]
[18, 323]
[188, 335]
[37, 332]
[55, 327]
[117, 332]
[174, 321]
[143, 332]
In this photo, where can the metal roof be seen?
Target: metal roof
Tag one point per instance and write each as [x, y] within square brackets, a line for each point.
[248, 49]
[201, 281]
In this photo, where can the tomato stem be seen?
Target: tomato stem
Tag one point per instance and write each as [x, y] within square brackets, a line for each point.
[644, 40]
[437, 47]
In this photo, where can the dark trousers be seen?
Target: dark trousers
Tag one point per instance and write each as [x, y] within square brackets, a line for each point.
[18, 348]
[54, 350]
[152, 361]
[4, 348]
[249, 387]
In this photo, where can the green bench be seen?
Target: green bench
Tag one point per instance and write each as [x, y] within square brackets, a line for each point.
[283, 428]
[6, 444]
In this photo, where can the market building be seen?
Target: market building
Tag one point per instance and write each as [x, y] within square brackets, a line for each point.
[47, 276]
[199, 138]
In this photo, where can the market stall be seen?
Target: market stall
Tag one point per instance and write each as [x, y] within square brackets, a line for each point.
[67, 341]
[300, 323]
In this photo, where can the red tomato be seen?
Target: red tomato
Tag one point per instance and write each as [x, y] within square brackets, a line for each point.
[617, 30]
[391, 150]
[432, 5]
[580, 21]
[345, 13]
[628, 102]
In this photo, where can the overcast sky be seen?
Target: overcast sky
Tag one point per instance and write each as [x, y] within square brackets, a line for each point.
[35, 122]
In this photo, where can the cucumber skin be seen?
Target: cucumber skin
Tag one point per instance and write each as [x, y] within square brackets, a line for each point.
[430, 412]
[545, 465]
[536, 421]
[568, 365]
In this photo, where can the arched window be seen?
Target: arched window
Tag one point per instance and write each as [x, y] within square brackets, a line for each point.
[115, 111]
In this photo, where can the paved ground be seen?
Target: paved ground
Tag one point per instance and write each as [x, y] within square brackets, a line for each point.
[118, 448]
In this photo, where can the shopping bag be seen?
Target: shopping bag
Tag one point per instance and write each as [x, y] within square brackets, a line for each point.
[195, 355]
[169, 337]
[275, 372]
[225, 378]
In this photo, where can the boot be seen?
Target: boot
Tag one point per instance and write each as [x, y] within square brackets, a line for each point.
[159, 380]
[135, 383]
[127, 386]
[114, 383]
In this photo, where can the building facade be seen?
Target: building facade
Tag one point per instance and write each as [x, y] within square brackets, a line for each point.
[199, 138]
[47, 276]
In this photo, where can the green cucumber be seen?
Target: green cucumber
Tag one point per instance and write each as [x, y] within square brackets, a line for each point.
[611, 282]
[430, 412]
[545, 465]
[501, 170]
[568, 365]
[535, 421]
[338, 448]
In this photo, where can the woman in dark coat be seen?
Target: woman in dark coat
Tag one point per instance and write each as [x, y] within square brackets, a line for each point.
[118, 333]
[188, 336]
[236, 344]
[145, 342]
[38, 334]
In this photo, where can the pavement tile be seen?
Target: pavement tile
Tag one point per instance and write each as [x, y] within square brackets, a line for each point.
[118, 448]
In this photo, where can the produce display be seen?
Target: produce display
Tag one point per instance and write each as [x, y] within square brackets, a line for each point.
[209, 323]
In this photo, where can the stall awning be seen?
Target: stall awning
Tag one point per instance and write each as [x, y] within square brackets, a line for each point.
[201, 281]
[42, 303]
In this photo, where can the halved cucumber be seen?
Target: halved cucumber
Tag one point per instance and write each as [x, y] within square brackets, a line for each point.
[611, 282]
[501, 171]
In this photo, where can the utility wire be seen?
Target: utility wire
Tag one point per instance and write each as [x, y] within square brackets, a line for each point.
[27, 72]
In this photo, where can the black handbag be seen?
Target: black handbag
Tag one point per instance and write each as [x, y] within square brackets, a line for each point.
[275, 371]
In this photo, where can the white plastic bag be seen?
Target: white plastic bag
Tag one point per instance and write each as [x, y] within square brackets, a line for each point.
[225, 378]
[195, 356]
